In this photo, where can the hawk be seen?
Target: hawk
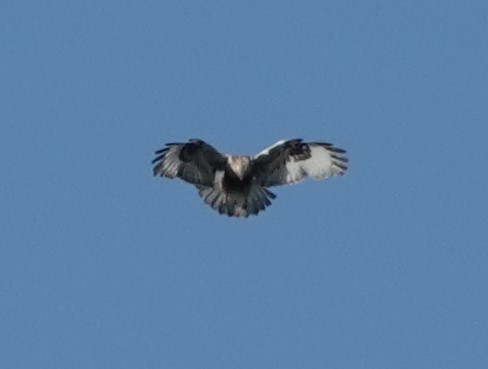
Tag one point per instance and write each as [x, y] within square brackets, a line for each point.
[237, 185]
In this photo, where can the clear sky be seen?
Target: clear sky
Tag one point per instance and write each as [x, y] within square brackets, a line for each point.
[104, 266]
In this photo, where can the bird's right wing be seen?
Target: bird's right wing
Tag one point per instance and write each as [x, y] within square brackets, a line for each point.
[290, 161]
[194, 162]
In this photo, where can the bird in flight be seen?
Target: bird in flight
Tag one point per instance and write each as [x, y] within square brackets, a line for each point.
[237, 185]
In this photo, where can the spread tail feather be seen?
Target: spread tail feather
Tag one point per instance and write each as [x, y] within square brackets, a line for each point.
[236, 204]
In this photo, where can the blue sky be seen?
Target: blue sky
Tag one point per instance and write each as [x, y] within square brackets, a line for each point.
[104, 266]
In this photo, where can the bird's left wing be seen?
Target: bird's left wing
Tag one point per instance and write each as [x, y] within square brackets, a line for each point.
[290, 161]
[194, 162]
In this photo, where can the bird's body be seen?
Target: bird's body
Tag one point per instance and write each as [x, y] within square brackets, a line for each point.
[237, 185]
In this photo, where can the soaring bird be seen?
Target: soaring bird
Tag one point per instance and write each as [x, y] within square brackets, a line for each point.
[237, 185]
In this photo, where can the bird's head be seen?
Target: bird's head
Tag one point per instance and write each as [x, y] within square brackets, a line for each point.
[239, 165]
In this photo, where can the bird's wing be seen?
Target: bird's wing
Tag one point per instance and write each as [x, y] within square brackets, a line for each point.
[290, 161]
[194, 161]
